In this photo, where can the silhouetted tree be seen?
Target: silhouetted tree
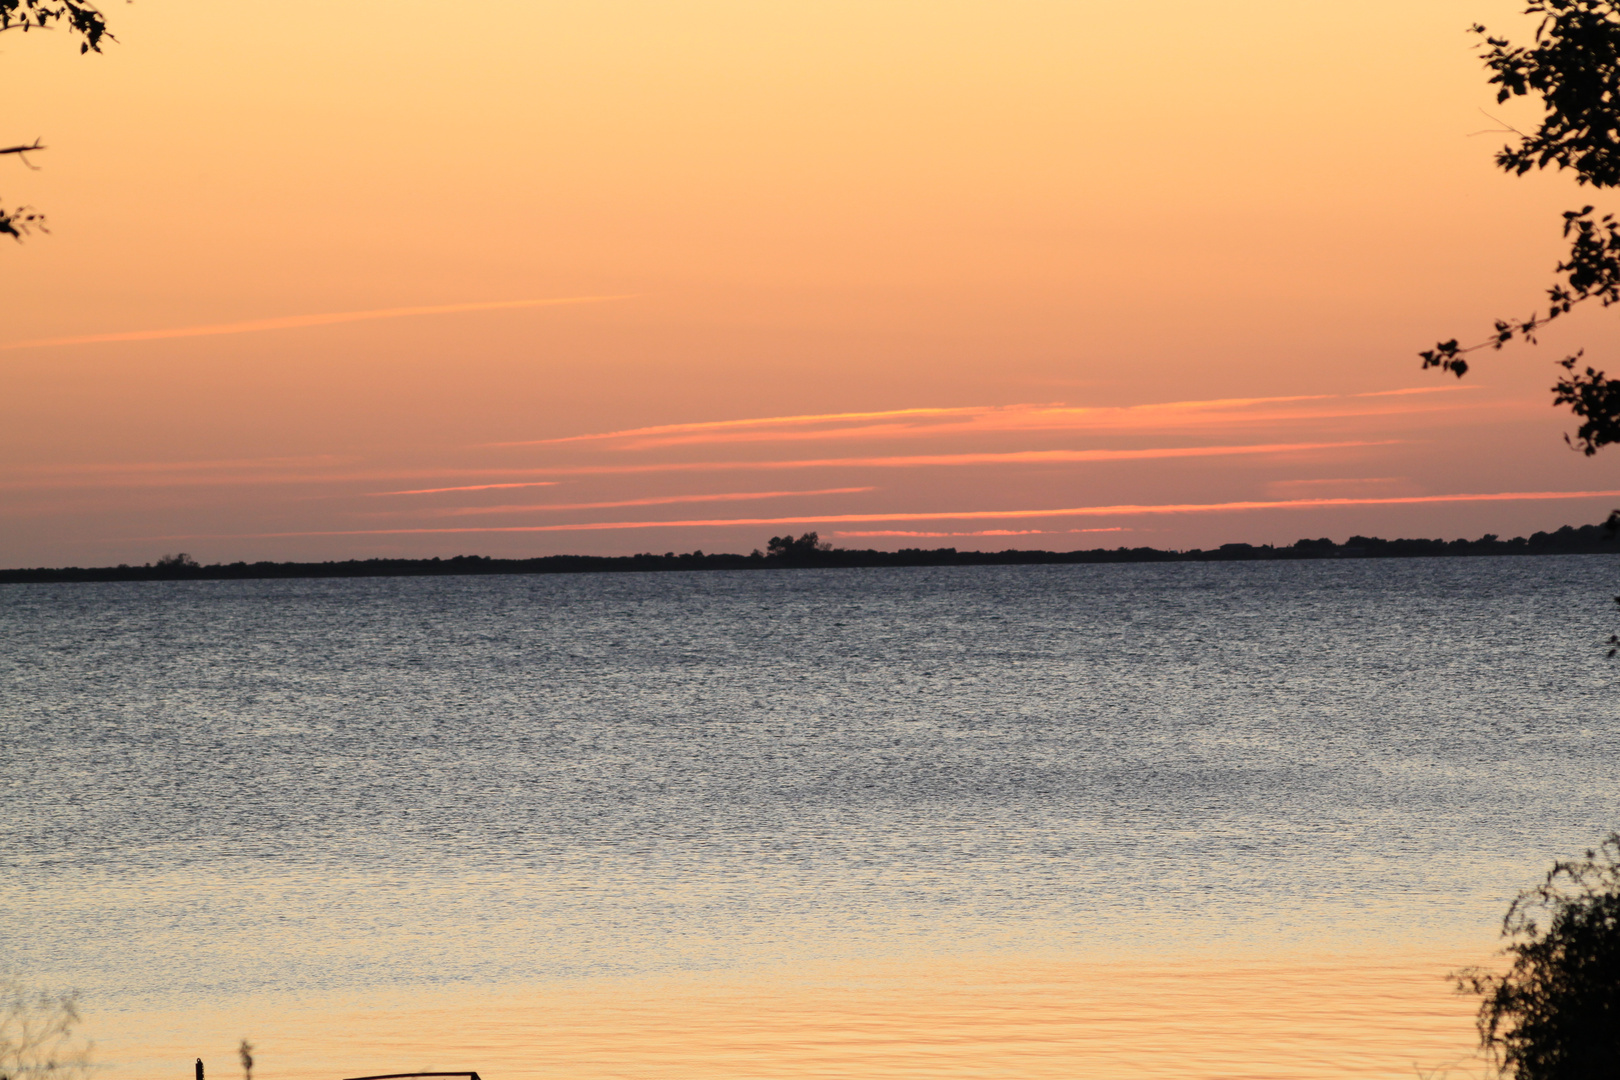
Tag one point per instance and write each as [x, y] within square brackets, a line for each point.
[1574, 66]
[75, 16]
[1555, 1015]
[786, 547]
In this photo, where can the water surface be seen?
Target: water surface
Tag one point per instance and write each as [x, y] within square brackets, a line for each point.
[227, 793]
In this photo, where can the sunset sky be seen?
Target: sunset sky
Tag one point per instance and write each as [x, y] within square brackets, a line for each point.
[331, 281]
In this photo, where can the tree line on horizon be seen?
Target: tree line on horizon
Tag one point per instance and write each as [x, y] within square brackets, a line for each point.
[809, 551]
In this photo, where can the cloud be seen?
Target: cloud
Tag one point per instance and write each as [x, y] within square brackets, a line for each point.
[928, 423]
[1048, 457]
[970, 420]
[765, 421]
[1121, 510]
[980, 532]
[293, 322]
[1011, 457]
[1406, 391]
[273, 471]
[655, 500]
[469, 487]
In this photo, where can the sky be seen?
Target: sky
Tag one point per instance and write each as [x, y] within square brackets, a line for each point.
[397, 279]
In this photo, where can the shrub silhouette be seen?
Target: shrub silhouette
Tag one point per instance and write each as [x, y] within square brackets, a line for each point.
[1555, 1015]
[37, 1040]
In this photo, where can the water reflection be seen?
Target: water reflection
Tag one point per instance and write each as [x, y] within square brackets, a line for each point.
[1299, 1019]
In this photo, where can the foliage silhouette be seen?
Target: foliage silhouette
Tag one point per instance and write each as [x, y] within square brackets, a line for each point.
[1586, 540]
[77, 17]
[789, 549]
[1574, 66]
[1555, 1015]
[37, 1040]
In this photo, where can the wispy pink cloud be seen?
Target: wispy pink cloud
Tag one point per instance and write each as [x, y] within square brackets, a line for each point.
[469, 487]
[1011, 457]
[294, 322]
[1120, 510]
[762, 421]
[931, 423]
[1409, 390]
[979, 532]
[329, 470]
[654, 500]
[935, 422]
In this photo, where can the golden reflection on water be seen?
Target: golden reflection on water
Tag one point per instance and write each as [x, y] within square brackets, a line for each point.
[1370, 1016]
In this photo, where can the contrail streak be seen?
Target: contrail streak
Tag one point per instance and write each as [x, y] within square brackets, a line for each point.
[293, 322]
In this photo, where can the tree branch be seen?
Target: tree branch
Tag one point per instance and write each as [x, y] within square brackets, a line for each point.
[1591, 271]
[22, 152]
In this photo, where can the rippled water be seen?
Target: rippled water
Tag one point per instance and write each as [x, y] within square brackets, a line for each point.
[216, 791]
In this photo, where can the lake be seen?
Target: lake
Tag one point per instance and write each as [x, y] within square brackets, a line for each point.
[1234, 819]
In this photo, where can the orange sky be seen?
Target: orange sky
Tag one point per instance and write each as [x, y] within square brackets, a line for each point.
[365, 279]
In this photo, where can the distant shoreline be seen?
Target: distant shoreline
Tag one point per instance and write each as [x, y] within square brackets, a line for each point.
[1585, 540]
